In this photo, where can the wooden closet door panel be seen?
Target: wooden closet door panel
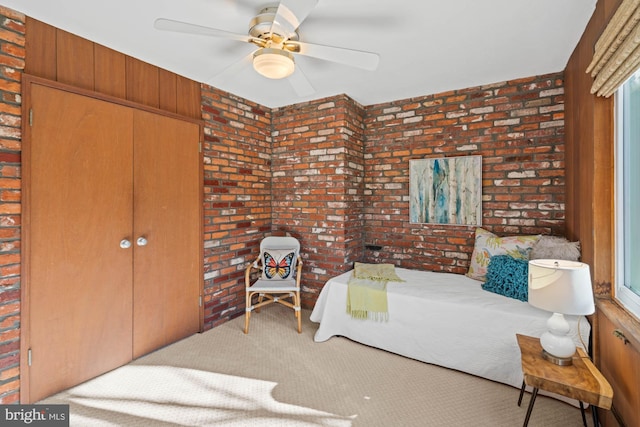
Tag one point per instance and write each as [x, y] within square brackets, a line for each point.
[620, 364]
[167, 212]
[78, 206]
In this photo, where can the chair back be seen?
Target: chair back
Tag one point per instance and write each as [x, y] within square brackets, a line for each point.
[274, 250]
[280, 242]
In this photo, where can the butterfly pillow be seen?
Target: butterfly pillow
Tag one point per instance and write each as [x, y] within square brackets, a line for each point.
[278, 264]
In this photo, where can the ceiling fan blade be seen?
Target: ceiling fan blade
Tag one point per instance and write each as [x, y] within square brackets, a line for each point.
[354, 58]
[290, 15]
[231, 70]
[301, 85]
[185, 27]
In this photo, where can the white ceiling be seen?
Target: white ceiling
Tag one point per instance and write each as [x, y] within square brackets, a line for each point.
[425, 46]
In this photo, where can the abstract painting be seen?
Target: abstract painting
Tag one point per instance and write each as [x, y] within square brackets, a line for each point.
[446, 190]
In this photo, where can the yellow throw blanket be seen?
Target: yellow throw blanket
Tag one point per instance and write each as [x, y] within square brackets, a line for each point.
[367, 290]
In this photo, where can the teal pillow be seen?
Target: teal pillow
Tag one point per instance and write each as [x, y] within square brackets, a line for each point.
[507, 276]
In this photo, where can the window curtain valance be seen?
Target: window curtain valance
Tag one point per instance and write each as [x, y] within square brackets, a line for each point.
[617, 51]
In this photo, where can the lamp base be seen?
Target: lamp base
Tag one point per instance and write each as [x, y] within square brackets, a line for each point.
[562, 361]
[557, 345]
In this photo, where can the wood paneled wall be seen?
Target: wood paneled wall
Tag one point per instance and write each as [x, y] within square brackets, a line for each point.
[61, 56]
[590, 215]
[589, 157]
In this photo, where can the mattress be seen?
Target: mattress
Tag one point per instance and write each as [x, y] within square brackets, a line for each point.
[445, 319]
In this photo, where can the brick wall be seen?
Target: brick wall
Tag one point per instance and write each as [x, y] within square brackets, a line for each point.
[296, 169]
[318, 178]
[237, 197]
[335, 175]
[12, 56]
[518, 128]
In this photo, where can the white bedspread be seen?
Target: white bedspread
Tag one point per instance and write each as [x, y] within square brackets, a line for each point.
[444, 319]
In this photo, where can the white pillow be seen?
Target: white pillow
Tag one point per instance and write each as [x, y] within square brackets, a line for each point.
[551, 247]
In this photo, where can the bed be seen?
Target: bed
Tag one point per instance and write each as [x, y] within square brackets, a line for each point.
[444, 319]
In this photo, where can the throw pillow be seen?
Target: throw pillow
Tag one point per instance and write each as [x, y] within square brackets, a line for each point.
[278, 264]
[508, 276]
[551, 247]
[488, 245]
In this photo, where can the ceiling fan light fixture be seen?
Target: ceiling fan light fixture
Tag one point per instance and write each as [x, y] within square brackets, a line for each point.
[273, 63]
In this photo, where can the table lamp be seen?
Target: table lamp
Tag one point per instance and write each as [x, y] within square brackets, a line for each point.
[561, 287]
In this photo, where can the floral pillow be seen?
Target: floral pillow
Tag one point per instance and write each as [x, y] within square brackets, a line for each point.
[278, 264]
[488, 244]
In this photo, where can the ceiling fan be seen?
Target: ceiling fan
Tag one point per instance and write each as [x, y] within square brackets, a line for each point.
[274, 30]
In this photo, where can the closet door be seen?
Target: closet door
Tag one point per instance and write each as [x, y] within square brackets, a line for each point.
[77, 201]
[167, 214]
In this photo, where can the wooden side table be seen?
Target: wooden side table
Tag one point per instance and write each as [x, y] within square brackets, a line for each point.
[581, 381]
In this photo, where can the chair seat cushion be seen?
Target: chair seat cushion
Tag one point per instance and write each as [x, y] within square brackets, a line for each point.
[267, 286]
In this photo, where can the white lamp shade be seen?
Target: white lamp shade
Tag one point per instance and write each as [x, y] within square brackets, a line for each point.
[561, 286]
[273, 63]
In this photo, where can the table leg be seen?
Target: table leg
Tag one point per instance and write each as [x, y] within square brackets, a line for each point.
[521, 393]
[594, 413]
[584, 418]
[530, 408]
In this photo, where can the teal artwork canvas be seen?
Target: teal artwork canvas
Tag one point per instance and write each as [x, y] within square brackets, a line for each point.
[446, 190]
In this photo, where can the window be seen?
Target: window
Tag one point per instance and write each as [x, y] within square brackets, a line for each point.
[628, 194]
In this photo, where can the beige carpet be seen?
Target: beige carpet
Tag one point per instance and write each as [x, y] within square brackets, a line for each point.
[276, 377]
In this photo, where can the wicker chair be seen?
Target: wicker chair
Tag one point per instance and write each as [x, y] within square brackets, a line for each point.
[280, 267]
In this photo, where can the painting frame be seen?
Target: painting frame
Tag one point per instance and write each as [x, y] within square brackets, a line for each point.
[446, 190]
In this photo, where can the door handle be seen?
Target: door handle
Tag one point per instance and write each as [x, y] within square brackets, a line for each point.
[125, 244]
[619, 334]
[142, 241]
